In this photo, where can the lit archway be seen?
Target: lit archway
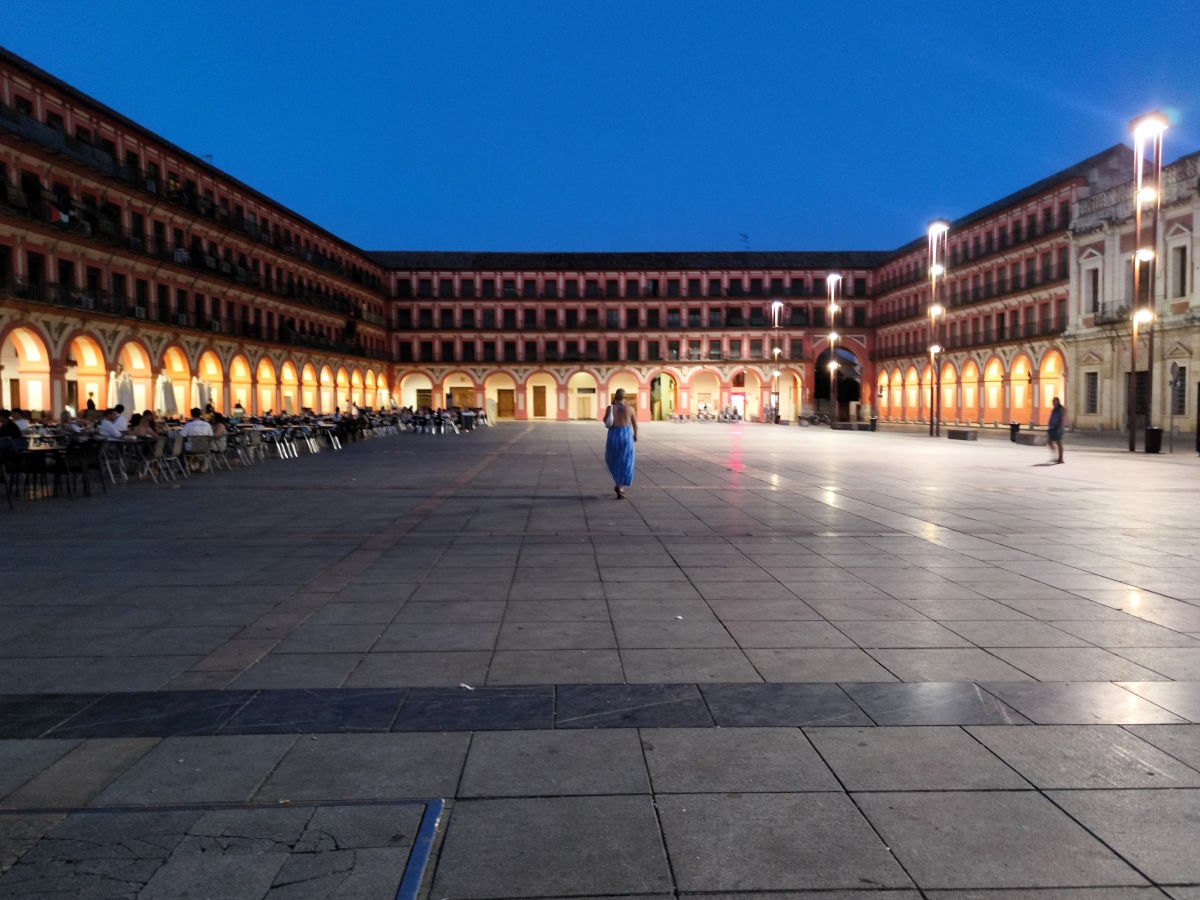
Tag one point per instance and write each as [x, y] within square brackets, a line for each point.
[582, 402]
[628, 382]
[993, 391]
[950, 411]
[325, 401]
[885, 399]
[704, 393]
[896, 397]
[541, 396]
[458, 389]
[134, 379]
[369, 391]
[241, 385]
[209, 387]
[912, 395]
[664, 395]
[289, 388]
[25, 371]
[342, 398]
[970, 392]
[1052, 382]
[746, 392]
[175, 383]
[87, 376]
[1020, 379]
[383, 396]
[500, 396]
[308, 388]
[416, 391]
[357, 391]
[265, 376]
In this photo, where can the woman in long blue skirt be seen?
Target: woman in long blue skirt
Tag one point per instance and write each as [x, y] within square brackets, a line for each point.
[618, 452]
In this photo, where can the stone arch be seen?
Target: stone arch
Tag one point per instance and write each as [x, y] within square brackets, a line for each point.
[308, 387]
[951, 410]
[1051, 382]
[208, 386]
[358, 391]
[1020, 380]
[25, 369]
[87, 372]
[267, 385]
[416, 390]
[912, 394]
[326, 390]
[289, 387]
[500, 396]
[583, 396]
[970, 390]
[994, 390]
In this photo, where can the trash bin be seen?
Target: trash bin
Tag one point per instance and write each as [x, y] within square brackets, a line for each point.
[874, 422]
[1013, 428]
[1154, 440]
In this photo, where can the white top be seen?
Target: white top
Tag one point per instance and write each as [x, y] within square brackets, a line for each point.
[109, 429]
[193, 427]
[122, 423]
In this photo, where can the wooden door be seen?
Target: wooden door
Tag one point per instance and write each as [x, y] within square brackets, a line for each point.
[539, 401]
[462, 397]
[506, 404]
[583, 407]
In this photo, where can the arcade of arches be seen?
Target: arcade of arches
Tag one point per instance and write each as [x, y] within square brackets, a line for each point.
[583, 393]
[989, 391]
[34, 377]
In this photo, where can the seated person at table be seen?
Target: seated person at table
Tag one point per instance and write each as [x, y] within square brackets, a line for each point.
[20, 419]
[239, 413]
[122, 422]
[108, 426]
[195, 426]
[140, 426]
[10, 434]
[219, 431]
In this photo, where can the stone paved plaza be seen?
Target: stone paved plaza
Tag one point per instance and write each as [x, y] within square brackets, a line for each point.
[795, 663]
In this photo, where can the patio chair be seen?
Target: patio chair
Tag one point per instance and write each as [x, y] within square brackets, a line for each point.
[196, 452]
[173, 456]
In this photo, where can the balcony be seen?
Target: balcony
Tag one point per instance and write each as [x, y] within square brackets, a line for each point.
[88, 300]
[58, 142]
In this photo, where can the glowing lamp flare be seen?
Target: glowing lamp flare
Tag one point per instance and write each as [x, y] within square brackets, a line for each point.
[1143, 316]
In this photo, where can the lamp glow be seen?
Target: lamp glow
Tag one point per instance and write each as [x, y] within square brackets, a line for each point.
[833, 336]
[1147, 195]
[938, 227]
[1142, 316]
[1148, 126]
[937, 309]
[935, 349]
[1145, 254]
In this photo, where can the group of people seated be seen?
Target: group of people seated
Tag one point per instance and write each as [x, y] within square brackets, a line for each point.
[454, 419]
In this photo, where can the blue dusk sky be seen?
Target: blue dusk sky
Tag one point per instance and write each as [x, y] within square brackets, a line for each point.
[649, 125]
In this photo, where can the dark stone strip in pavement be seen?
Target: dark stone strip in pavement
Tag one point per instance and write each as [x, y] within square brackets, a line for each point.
[536, 707]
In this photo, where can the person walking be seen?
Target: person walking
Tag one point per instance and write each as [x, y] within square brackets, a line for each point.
[1054, 429]
[622, 435]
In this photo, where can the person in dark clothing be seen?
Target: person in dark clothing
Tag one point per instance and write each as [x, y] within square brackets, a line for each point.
[1054, 429]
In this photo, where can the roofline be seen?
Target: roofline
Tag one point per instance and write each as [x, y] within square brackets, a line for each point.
[29, 68]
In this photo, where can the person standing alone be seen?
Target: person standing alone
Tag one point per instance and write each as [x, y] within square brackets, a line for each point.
[1054, 429]
[622, 434]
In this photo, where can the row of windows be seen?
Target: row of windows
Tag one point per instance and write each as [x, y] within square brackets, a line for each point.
[995, 239]
[1176, 393]
[1006, 325]
[590, 351]
[1176, 286]
[120, 293]
[148, 169]
[530, 287]
[533, 318]
[92, 219]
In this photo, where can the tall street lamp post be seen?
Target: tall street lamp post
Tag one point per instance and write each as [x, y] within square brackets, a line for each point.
[939, 231]
[1147, 130]
[776, 352]
[834, 284]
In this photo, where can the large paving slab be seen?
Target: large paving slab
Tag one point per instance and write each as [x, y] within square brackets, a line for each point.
[794, 663]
